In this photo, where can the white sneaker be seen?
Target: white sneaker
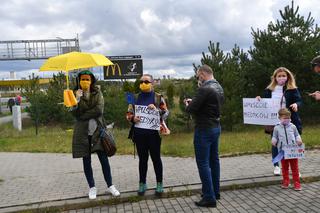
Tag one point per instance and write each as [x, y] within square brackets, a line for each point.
[277, 170]
[112, 190]
[93, 193]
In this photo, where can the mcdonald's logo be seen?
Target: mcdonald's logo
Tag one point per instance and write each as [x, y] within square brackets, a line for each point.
[113, 68]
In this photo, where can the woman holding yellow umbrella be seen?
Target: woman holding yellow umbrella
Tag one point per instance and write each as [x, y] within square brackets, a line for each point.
[88, 114]
[87, 107]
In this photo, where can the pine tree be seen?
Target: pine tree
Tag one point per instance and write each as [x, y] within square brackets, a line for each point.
[229, 69]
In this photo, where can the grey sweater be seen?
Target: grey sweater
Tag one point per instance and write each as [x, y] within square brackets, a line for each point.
[283, 135]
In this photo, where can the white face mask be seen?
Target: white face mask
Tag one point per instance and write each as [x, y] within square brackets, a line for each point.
[285, 121]
[200, 81]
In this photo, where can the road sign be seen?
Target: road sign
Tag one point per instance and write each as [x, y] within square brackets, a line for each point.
[125, 67]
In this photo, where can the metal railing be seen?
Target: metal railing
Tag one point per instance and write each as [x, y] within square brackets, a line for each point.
[36, 49]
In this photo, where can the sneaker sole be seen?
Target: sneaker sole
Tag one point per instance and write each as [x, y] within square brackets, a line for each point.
[108, 192]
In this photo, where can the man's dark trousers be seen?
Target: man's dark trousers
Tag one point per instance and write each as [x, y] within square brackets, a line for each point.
[206, 146]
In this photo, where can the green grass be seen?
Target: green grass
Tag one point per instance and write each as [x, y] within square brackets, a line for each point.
[57, 140]
[4, 114]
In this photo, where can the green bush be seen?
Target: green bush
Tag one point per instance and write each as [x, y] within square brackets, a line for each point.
[115, 106]
[46, 106]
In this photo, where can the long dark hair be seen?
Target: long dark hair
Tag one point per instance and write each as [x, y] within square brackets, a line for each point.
[93, 80]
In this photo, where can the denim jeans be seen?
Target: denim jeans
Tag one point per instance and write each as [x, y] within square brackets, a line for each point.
[274, 154]
[104, 164]
[206, 146]
[105, 169]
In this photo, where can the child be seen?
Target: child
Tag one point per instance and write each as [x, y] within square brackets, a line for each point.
[283, 87]
[286, 133]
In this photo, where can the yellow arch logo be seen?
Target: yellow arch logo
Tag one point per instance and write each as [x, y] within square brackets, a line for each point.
[115, 67]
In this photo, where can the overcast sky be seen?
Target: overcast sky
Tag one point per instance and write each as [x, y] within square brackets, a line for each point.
[169, 34]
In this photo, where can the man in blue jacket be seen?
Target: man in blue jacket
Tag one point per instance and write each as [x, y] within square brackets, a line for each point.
[205, 109]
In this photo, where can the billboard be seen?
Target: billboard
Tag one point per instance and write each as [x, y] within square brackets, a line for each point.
[125, 67]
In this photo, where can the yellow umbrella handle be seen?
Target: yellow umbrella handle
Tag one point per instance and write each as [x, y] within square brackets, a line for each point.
[67, 75]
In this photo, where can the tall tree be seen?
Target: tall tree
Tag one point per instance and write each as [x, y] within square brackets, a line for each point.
[229, 69]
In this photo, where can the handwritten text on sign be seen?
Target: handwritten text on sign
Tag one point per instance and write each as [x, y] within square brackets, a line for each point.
[292, 151]
[263, 112]
[149, 118]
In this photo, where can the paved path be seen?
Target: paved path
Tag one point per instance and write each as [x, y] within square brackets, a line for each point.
[249, 200]
[32, 178]
[8, 118]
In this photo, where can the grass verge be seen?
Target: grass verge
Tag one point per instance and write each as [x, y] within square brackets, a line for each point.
[55, 139]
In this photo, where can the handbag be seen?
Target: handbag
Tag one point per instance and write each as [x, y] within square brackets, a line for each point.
[107, 140]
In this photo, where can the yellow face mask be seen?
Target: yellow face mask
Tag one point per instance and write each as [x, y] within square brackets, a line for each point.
[85, 82]
[145, 87]
[85, 85]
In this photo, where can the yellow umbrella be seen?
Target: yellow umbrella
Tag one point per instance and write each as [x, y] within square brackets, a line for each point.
[72, 61]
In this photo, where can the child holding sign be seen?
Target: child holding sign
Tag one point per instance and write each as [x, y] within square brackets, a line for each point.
[286, 133]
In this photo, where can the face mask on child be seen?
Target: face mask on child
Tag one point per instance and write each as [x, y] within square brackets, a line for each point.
[285, 121]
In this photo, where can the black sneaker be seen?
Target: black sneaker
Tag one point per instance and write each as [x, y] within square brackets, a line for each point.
[217, 196]
[205, 203]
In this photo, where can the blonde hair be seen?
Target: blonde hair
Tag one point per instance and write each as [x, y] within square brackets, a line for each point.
[291, 82]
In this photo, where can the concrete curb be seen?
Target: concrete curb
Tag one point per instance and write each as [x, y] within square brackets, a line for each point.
[131, 196]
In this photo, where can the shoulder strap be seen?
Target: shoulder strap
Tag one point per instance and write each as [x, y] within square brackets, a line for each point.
[157, 99]
[101, 124]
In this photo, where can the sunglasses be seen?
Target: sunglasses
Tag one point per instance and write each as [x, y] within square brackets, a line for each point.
[145, 81]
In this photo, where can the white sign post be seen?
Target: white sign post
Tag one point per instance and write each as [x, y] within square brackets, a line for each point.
[149, 118]
[263, 112]
[292, 151]
[16, 116]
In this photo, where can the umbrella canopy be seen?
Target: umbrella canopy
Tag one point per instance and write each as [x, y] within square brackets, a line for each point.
[75, 60]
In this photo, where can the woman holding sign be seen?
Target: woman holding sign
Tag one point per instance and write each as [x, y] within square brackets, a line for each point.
[283, 87]
[146, 114]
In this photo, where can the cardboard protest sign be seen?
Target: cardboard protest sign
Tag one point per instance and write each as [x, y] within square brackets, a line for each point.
[292, 151]
[263, 112]
[149, 118]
